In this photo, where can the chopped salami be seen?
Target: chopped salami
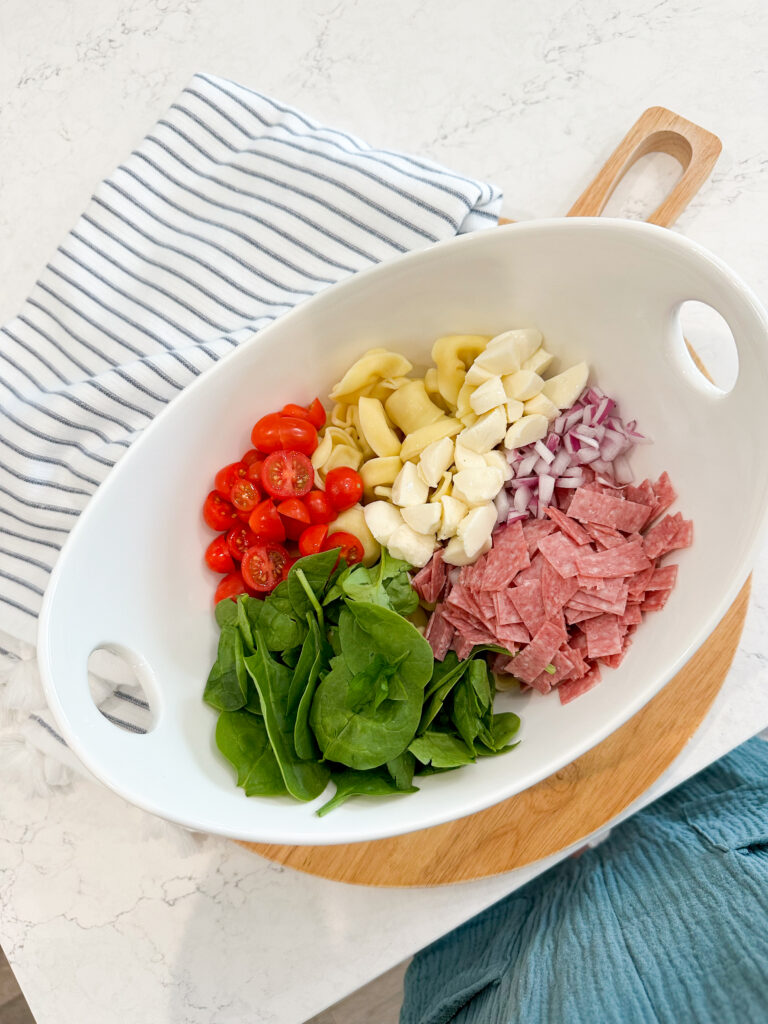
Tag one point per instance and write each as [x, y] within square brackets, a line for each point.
[507, 557]
[573, 688]
[664, 493]
[534, 530]
[593, 602]
[532, 573]
[462, 646]
[564, 667]
[639, 583]
[574, 615]
[561, 553]
[623, 561]
[568, 526]
[534, 658]
[607, 510]
[439, 633]
[604, 536]
[663, 536]
[643, 494]
[632, 615]
[655, 601]
[505, 608]
[530, 606]
[603, 636]
[556, 591]
[513, 633]
[663, 579]
[422, 580]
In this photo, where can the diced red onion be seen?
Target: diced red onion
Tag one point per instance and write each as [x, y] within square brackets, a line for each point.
[586, 442]
[501, 501]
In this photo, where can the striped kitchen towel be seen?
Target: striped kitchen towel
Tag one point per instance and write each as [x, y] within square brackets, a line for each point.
[230, 212]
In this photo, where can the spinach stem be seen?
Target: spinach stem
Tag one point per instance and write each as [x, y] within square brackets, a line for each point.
[311, 595]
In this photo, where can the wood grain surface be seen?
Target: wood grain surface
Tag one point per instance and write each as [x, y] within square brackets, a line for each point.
[594, 789]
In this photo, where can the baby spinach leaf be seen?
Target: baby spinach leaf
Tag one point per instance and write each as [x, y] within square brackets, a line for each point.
[226, 613]
[303, 779]
[503, 727]
[243, 740]
[244, 622]
[303, 736]
[401, 769]
[291, 656]
[373, 630]
[366, 738]
[403, 599]
[441, 750]
[472, 703]
[317, 570]
[307, 655]
[386, 584]
[279, 628]
[352, 783]
[445, 676]
[372, 684]
[225, 689]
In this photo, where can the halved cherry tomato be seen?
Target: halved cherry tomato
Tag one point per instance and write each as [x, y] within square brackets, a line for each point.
[253, 472]
[316, 414]
[311, 539]
[239, 539]
[250, 457]
[294, 508]
[287, 474]
[295, 410]
[266, 523]
[230, 586]
[273, 432]
[319, 507]
[344, 487]
[219, 513]
[245, 495]
[265, 565]
[227, 476]
[217, 555]
[351, 548]
[295, 517]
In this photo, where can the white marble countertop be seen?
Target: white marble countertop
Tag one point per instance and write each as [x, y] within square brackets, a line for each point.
[105, 916]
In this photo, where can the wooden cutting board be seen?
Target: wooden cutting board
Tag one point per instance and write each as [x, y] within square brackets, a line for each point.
[593, 790]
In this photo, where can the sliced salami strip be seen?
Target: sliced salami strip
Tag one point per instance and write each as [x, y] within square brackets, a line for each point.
[532, 573]
[604, 536]
[607, 510]
[568, 526]
[655, 601]
[507, 557]
[664, 493]
[604, 636]
[556, 591]
[564, 667]
[639, 583]
[534, 530]
[439, 633]
[513, 633]
[632, 616]
[643, 494]
[530, 606]
[574, 615]
[573, 688]
[663, 579]
[505, 608]
[534, 658]
[462, 646]
[561, 553]
[662, 537]
[624, 561]
[592, 602]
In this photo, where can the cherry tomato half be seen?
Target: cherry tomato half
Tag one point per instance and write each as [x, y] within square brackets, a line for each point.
[245, 495]
[344, 487]
[253, 472]
[217, 555]
[266, 523]
[218, 513]
[311, 539]
[239, 539]
[266, 433]
[265, 565]
[251, 456]
[287, 474]
[351, 548]
[227, 477]
[294, 508]
[319, 507]
[298, 411]
[230, 586]
[316, 414]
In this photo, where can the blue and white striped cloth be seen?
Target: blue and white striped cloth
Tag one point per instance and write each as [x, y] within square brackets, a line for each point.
[230, 212]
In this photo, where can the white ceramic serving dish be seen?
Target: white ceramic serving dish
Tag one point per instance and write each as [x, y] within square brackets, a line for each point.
[132, 574]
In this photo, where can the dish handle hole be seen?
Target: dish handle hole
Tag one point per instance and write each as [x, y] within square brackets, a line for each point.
[705, 343]
[117, 678]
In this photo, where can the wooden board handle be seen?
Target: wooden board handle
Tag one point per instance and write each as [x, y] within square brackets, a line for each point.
[658, 130]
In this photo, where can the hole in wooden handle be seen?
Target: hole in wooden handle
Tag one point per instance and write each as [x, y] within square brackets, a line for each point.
[658, 130]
